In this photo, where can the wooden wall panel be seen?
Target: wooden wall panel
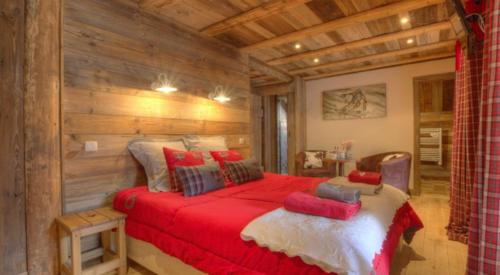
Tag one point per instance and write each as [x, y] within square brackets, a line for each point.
[109, 69]
[12, 188]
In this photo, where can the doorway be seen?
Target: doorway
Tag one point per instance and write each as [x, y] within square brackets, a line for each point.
[278, 131]
[433, 117]
[282, 133]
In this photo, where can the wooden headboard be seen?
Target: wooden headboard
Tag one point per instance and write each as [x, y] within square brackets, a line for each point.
[108, 70]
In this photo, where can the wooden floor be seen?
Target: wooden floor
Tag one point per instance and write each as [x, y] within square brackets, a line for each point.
[438, 187]
[431, 253]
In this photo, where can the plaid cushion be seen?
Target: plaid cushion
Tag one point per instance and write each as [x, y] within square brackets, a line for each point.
[243, 170]
[228, 155]
[180, 158]
[199, 179]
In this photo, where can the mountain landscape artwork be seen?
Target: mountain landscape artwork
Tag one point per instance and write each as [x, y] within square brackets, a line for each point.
[355, 103]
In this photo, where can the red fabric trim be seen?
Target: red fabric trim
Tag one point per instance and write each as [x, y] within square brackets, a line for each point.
[405, 220]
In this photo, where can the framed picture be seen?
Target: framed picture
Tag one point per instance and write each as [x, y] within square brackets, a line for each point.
[357, 102]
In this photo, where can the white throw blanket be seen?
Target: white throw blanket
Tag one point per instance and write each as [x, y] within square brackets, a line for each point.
[343, 247]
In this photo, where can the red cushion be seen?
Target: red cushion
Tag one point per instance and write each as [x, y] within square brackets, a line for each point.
[309, 204]
[230, 155]
[372, 178]
[180, 158]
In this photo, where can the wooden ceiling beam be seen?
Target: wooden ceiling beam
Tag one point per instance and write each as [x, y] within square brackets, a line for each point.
[257, 13]
[384, 65]
[273, 89]
[345, 62]
[361, 43]
[358, 18]
[265, 69]
[266, 83]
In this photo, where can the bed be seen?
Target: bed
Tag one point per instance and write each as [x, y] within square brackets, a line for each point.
[203, 232]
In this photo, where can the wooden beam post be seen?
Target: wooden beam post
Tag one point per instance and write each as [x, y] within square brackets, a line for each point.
[12, 188]
[361, 17]
[42, 133]
[291, 128]
[270, 135]
[300, 114]
[256, 113]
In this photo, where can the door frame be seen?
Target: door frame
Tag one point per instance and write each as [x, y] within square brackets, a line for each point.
[416, 125]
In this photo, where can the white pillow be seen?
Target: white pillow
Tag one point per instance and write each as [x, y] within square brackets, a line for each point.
[392, 156]
[313, 160]
[149, 152]
[206, 144]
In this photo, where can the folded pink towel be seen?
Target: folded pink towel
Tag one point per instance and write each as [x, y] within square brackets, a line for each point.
[309, 204]
[372, 178]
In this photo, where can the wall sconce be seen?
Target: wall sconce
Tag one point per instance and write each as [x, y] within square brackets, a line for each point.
[220, 94]
[163, 84]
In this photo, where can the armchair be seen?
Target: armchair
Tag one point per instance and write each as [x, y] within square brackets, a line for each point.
[329, 168]
[395, 172]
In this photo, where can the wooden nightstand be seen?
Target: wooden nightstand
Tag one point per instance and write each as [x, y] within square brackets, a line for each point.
[75, 226]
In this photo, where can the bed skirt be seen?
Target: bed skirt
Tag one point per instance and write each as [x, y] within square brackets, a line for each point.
[153, 259]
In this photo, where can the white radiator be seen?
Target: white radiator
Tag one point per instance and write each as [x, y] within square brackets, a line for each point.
[431, 145]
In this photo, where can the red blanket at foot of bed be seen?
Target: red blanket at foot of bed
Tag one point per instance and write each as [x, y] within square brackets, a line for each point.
[204, 231]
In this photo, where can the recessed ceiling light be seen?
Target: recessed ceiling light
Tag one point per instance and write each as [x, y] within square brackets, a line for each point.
[298, 46]
[316, 60]
[409, 41]
[405, 20]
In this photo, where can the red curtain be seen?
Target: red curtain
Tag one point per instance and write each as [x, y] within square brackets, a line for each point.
[465, 130]
[484, 231]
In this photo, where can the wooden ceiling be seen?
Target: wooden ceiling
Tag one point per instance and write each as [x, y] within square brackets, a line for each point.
[335, 36]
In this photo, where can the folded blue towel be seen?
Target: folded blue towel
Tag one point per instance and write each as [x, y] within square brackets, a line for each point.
[337, 192]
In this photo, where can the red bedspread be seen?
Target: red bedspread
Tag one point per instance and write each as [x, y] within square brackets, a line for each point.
[204, 231]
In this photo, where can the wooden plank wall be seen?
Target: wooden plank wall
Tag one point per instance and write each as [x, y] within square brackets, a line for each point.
[12, 188]
[113, 51]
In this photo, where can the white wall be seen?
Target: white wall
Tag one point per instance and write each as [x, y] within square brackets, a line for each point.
[376, 135]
